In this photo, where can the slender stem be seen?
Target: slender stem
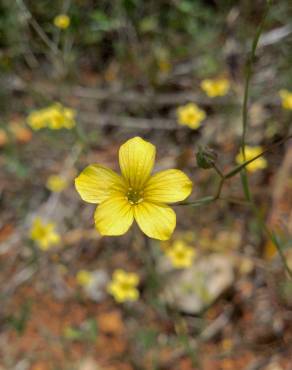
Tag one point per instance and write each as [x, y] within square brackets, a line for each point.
[217, 169]
[219, 190]
[244, 178]
[248, 77]
[198, 202]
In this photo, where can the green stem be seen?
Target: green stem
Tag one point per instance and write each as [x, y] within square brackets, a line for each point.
[244, 178]
[248, 77]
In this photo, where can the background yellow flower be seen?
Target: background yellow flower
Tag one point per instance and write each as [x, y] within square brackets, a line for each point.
[56, 183]
[54, 117]
[190, 115]
[180, 254]
[62, 21]
[123, 286]
[36, 120]
[44, 234]
[215, 87]
[84, 277]
[252, 152]
[286, 99]
[136, 194]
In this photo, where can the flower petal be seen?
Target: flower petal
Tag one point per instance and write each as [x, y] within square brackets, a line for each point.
[114, 216]
[155, 220]
[136, 159]
[119, 275]
[133, 294]
[96, 182]
[133, 279]
[167, 187]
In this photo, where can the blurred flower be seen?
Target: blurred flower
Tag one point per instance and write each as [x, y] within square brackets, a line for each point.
[135, 194]
[54, 117]
[84, 277]
[123, 286]
[164, 65]
[21, 133]
[215, 87]
[36, 120]
[59, 117]
[286, 99]
[180, 254]
[62, 21]
[190, 115]
[250, 153]
[44, 234]
[3, 137]
[56, 183]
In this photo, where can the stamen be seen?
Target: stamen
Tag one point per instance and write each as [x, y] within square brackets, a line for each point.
[134, 196]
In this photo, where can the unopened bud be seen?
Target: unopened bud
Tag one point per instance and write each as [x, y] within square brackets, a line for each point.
[206, 157]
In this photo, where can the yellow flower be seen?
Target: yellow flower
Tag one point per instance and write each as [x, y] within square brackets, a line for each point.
[135, 194]
[190, 115]
[44, 234]
[36, 120]
[59, 117]
[54, 117]
[62, 21]
[286, 99]
[180, 255]
[252, 152]
[56, 183]
[215, 87]
[123, 286]
[84, 277]
[69, 118]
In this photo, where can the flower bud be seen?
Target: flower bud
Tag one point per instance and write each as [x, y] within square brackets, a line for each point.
[206, 157]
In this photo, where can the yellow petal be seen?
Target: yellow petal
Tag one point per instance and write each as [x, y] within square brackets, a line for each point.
[167, 187]
[119, 275]
[114, 216]
[132, 294]
[96, 182]
[132, 279]
[155, 220]
[54, 238]
[136, 159]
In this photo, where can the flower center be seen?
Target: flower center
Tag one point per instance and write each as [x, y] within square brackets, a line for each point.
[180, 255]
[42, 233]
[134, 196]
[126, 286]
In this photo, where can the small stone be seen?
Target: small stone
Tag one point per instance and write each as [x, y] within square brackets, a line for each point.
[194, 289]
